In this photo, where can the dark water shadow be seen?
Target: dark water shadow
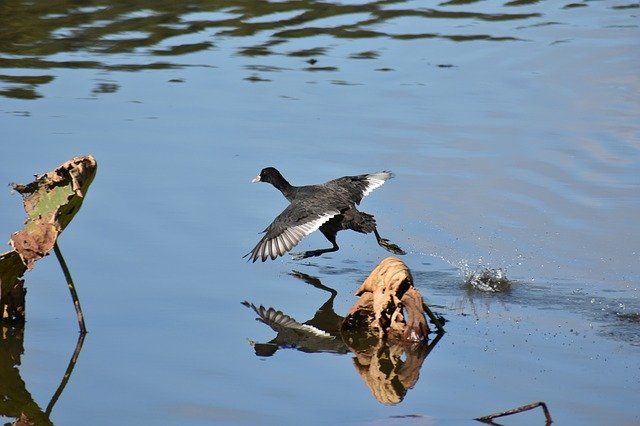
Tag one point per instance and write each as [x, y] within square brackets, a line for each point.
[160, 35]
[614, 313]
[389, 369]
[15, 399]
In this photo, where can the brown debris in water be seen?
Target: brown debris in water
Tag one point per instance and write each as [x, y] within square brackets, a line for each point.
[50, 201]
[389, 306]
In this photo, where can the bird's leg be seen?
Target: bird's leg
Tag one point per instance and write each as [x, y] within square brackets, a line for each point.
[312, 253]
[330, 234]
[387, 245]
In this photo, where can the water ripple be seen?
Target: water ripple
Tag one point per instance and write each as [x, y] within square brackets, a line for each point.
[47, 36]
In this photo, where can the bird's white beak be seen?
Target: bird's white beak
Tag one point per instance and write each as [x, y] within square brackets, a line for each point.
[256, 179]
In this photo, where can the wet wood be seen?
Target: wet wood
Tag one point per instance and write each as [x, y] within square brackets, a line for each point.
[389, 305]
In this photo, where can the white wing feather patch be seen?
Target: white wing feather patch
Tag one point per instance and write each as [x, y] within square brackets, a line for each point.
[375, 180]
[313, 225]
[288, 238]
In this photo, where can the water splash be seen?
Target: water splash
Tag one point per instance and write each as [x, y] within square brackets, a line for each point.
[487, 279]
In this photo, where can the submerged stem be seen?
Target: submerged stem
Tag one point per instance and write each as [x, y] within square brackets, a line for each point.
[72, 288]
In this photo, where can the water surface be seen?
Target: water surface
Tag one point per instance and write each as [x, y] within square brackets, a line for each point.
[513, 131]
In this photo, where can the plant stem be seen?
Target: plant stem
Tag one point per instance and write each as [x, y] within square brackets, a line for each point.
[72, 288]
[547, 414]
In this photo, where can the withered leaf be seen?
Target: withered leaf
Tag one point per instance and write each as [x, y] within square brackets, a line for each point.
[51, 202]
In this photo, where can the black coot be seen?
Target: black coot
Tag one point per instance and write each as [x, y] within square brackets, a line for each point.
[330, 207]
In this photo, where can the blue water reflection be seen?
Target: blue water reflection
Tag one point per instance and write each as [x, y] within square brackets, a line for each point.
[512, 128]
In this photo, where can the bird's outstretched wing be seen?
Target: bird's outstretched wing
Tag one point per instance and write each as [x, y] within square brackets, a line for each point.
[288, 229]
[358, 187]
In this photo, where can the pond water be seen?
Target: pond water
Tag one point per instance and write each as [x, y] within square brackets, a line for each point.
[512, 128]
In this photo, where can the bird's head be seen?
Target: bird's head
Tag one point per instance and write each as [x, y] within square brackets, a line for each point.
[268, 175]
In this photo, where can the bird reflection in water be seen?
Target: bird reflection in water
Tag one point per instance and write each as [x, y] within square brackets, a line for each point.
[389, 368]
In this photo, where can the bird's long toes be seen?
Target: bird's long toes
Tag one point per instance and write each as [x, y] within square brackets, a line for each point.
[398, 250]
[389, 246]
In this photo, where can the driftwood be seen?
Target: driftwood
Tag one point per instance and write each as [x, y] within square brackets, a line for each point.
[390, 307]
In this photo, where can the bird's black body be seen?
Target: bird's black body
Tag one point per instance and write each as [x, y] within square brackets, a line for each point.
[330, 207]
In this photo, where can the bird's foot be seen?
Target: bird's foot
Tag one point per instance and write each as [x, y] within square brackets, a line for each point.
[389, 246]
[303, 255]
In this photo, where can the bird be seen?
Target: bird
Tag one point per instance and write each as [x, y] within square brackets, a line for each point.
[329, 207]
